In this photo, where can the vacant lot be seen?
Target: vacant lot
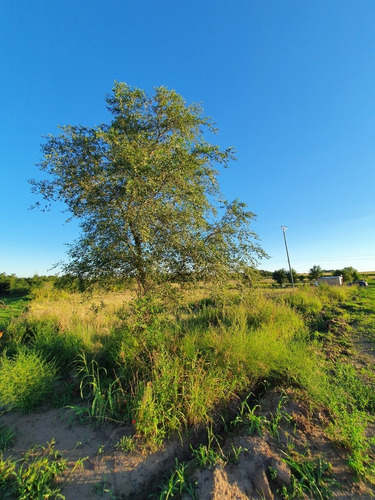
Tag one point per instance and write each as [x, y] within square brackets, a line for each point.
[242, 394]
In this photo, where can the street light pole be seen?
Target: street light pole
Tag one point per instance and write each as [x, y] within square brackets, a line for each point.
[287, 254]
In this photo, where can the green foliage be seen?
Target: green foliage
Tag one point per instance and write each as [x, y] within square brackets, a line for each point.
[315, 272]
[292, 273]
[210, 454]
[22, 331]
[177, 485]
[348, 274]
[356, 390]
[256, 423]
[310, 476]
[183, 372]
[4, 285]
[126, 444]
[62, 348]
[16, 286]
[307, 302]
[264, 273]
[7, 438]
[280, 276]
[145, 190]
[166, 367]
[277, 418]
[349, 423]
[10, 308]
[7, 477]
[33, 477]
[233, 456]
[247, 417]
[103, 488]
[103, 396]
[26, 379]
[250, 277]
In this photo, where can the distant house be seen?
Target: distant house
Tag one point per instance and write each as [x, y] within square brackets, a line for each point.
[329, 280]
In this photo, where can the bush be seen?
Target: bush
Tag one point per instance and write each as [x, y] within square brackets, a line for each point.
[4, 287]
[25, 380]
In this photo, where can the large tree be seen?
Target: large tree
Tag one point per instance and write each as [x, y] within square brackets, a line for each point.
[144, 188]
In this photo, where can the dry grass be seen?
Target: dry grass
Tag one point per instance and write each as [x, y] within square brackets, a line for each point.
[97, 311]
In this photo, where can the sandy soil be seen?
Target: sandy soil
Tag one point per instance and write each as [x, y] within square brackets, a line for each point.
[108, 473]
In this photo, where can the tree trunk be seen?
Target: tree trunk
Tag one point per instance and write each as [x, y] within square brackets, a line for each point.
[141, 276]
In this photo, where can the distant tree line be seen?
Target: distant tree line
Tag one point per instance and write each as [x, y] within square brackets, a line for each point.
[10, 284]
[282, 276]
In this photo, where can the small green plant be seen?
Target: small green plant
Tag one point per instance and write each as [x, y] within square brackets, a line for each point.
[33, 477]
[247, 417]
[310, 476]
[7, 438]
[273, 473]
[126, 444]
[79, 463]
[102, 488]
[256, 422]
[210, 454]
[235, 453]
[7, 477]
[242, 413]
[103, 395]
[81, 413]
[26, 379]
[280, 416]
[177, 485]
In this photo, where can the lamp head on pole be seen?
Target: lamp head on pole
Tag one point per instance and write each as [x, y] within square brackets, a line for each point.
[283, 228]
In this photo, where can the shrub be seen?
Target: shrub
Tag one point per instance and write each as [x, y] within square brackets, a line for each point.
[63, 348]
[25, 380]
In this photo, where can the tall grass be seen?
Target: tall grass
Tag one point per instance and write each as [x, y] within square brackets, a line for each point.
[167, 366]
[182, 373]
[26, 379]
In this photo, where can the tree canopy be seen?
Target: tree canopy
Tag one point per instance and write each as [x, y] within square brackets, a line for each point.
[144, 188]
[348, 273]
[315, 272]
[280, 276]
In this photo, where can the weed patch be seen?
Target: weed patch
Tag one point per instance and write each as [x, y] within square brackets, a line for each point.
[310, 476]
[33, 477]
[177, 484]
[26, 379]
[7, 438]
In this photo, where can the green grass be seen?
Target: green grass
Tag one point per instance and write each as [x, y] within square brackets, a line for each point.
[363, 312]
[34, 476]
[166, 368]
[311, 477]
[11, 307]
[7, 438]
[177, 485]
[126, 444]
[26, 380]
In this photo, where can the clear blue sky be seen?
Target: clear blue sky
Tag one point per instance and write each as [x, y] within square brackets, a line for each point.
[290, 84]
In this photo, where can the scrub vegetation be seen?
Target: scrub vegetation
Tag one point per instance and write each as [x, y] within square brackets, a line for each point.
[167, 366]
[163, 339]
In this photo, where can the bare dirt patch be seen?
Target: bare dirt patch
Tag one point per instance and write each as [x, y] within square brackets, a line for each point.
[259, 471]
